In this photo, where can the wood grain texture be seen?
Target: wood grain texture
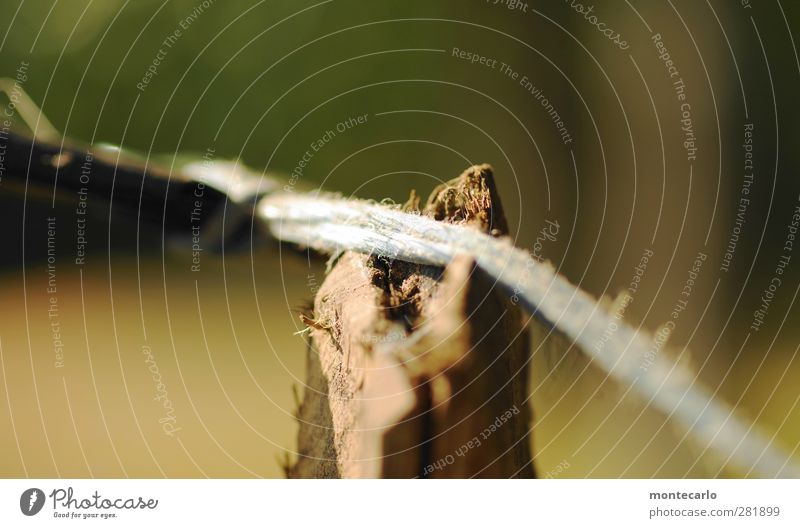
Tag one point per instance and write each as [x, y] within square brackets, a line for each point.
[418, 371]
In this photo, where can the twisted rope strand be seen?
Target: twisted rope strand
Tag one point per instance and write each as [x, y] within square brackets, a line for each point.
[329, 223]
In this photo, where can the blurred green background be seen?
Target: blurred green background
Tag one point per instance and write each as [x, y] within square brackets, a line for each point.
[262, 81]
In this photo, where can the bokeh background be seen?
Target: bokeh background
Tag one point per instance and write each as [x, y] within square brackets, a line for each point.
[260, 81]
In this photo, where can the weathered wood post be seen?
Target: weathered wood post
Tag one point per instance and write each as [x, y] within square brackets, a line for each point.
[416, 371]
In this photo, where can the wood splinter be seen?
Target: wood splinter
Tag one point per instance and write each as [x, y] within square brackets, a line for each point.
[418, 371]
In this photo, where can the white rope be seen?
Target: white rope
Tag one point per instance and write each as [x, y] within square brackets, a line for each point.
[330, 224]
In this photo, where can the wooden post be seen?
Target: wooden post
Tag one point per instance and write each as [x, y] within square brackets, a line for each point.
[416, 371]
